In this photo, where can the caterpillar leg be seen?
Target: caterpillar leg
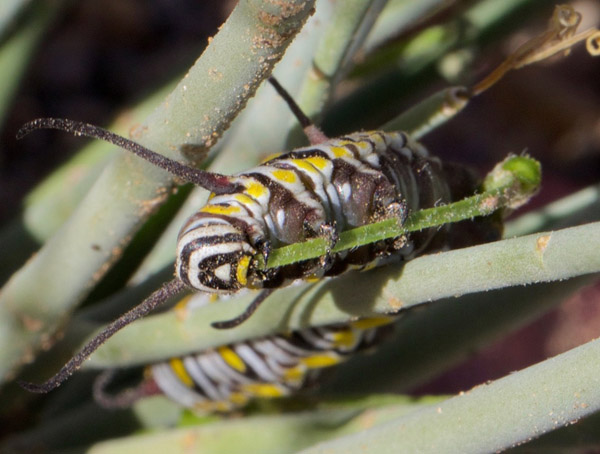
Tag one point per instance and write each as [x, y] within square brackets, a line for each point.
[331, 234]
[123, 399]
[227, 324]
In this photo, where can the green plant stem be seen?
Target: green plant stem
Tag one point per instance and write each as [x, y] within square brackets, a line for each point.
[398, 16]
[510, 184]
[287, 433]
[429, 342]
[427, 115]
[51, 202]
[415, 61]
[489, 418]
[333, 56]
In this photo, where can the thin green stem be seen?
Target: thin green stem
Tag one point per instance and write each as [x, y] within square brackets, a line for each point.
[511, 183]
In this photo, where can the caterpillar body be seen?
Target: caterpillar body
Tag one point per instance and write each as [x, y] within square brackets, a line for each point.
[227, 377]
[345, 182]
[340, 184]
[318, 191]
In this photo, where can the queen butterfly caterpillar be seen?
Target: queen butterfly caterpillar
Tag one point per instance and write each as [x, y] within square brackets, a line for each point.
[227, 377]
[317, 191]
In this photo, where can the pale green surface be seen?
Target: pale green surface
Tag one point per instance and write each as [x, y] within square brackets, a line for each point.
[444, 334]
[287, 433]
[491, 417]
[399, 15]
[336, 50]
[9, 9]
[264, 434]
[429, 114]
[405, 66]
[580, 207]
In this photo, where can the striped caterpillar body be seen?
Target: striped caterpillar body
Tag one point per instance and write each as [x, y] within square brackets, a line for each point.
[334, 186]
[328, 187]
[227, 377]
[347, 182]
[343, 183]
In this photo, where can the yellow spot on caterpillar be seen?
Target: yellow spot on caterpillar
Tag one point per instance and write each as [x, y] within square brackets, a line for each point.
[319, 361]
[237, 398]
[376, 138]
[317, 161]
[220, 209]
[256, 190]
[293, 374]
[204, 407]
[363, 145]
[264, 390]
[367, 323]
[304, 165]
[339, 152]
[286, 176]
[244, 199]
[221, 406]
[179, 369]
[344, 338]
[241, 273]
[232, 359]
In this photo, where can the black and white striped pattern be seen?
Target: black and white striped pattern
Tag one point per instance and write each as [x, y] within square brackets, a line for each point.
[340, 184]
[227, 377]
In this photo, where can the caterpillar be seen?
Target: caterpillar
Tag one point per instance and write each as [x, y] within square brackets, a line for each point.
[227, 377]
[317, 191]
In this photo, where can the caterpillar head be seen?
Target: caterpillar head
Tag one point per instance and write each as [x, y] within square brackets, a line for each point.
[213, 255]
